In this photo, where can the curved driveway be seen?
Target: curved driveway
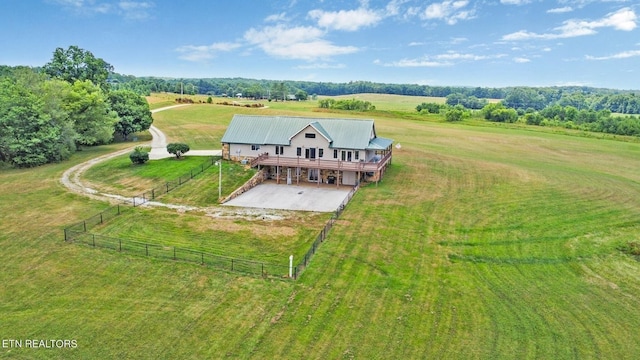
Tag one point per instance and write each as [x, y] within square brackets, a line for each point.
[71, 178]
[159, 142]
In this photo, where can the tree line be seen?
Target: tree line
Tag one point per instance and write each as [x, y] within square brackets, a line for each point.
[593, 118]
[521, 98]
[47, 113]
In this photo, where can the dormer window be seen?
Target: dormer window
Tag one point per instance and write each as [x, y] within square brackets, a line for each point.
[310, 135]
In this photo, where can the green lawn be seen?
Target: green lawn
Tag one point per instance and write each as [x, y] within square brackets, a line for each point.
[481, 242]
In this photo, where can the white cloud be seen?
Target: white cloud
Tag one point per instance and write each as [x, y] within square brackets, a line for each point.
[128, 9]
[561, 10]
[458, 40]
[620, 55]
[321, 66]
[623, 19]
[446, 59]
[304, 43]
[417, 63]
[135, 10]
[393, 7]
[449, 11]
[276, 17]
[452, 55]
[521, 60]
[84, 7]
[514, 2]
[200, 53]
[347, 20]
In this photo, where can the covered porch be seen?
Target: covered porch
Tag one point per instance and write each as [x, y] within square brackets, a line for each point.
[321, 171]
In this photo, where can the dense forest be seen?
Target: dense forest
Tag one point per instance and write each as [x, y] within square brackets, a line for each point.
[48, 113]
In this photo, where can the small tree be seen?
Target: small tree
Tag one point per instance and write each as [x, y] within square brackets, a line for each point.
[178, 149]
[139, 156]
[456, 113]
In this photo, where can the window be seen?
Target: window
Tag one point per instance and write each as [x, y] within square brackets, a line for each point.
[335, 154]
[320, 152]
[255, 147]
[279, 150]
[310, 153]
[310, 135]
[357, 154]
[299, 151]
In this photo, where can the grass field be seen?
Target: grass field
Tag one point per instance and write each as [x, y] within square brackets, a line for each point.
[479, 243]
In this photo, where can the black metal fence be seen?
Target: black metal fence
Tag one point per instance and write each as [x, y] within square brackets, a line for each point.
[171, 185]
[175, 253]
[322, 235]
[98, 219]
[79, 232]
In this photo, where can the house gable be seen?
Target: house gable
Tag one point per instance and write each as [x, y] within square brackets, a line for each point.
[312, 128]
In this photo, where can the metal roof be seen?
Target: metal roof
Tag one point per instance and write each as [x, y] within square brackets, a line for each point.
[278, 130]
[379, 143]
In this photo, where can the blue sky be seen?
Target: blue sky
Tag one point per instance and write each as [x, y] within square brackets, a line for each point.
[489, 43]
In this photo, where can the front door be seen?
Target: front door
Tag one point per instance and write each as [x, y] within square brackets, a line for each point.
[313, 174]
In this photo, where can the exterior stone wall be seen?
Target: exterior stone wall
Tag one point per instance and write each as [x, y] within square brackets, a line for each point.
[258, 178]
[225, 151]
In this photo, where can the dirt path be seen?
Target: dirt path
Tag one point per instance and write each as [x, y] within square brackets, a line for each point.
[71, 178]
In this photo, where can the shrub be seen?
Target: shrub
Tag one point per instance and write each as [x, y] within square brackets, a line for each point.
[139, 156]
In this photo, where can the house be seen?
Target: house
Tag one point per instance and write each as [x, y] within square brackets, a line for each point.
[302, 149]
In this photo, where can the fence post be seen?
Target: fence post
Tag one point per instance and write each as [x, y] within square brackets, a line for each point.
[167, 187]
[231, 264]
[147, 247]
[174, 253]
[290, 265]
[120, 245]
[85, 225]
[94, 240]
[101, 218]
[153, 194]
[118, 209]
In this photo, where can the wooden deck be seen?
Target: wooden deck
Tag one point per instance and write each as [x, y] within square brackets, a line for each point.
[265, 159]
